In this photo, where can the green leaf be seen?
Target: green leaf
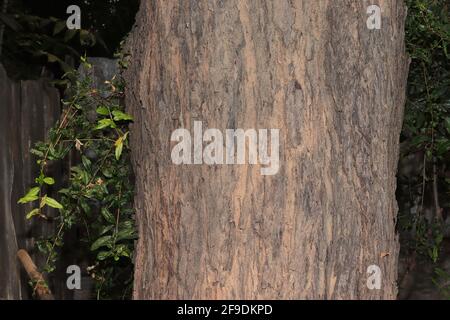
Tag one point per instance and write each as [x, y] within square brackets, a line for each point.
[447, 124]
[38, 153]
[121, 116]
[107, 172]
[104, 111]
[119, 147]
[419, 140]
[107, 215]
[65, 66]
[86, 162]
[31, 195]
[126, 234]
[42, 203]
[86, 208]
[65, 191]
[442, 146]
[122, 250]
[40, 180]
[102, 255]
[52, 203]
[106, 229]
[59, 26]
[70, 34]
[101, 242]
[33, 213]
[49, 180]
[10, 21]
[52, 57]
[86, 38]
[105, 123]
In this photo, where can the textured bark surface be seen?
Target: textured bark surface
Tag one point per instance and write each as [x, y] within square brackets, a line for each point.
[334, 89]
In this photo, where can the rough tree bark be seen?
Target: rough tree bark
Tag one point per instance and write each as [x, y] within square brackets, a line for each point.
[334, 88]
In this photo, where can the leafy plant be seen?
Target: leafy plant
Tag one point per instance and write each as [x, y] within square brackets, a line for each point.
[442, 281]
[32, 42]
[423, 188]
[97, 198]
[36, 38]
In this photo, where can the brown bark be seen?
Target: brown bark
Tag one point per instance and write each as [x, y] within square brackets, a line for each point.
[334, 89]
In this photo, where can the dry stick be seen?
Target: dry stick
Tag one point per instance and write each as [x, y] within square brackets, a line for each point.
[436, 193]
[40, 286]
[405, 281]
[438, 211]
[420, 210]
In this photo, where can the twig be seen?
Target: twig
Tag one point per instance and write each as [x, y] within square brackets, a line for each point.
[436, 193]
[54, 243]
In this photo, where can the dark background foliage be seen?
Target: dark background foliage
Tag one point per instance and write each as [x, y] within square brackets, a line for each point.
[423, 178]
[37, 40]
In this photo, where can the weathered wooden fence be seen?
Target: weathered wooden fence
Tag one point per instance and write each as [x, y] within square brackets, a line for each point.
[27, 110]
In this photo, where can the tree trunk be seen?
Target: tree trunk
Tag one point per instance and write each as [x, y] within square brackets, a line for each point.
[334, 89]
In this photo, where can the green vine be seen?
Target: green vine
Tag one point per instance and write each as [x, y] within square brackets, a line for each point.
[97, 198]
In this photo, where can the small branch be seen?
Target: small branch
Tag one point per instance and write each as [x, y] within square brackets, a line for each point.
[436, 193]
[420, 210]
[118, 214]
[54, 243]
